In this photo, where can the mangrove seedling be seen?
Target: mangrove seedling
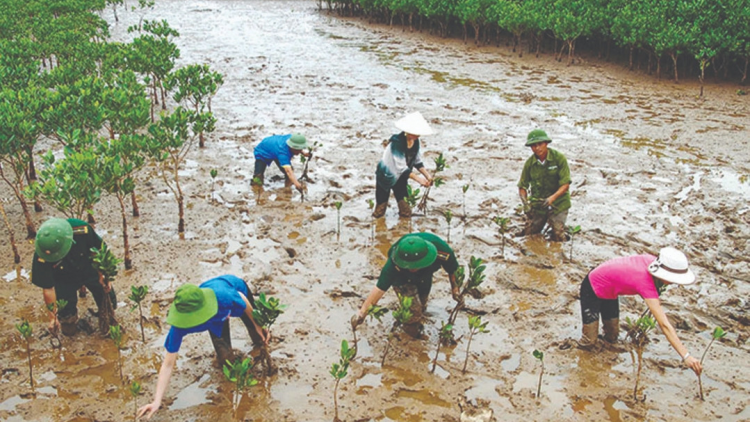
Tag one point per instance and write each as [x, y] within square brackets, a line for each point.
[213, 173]
[239, 374]
[476, 278]
[475, 326]
[502, 228]
[401, 316]
[412, 196]
[115, 333]
[448, 218]
[716, 335]
[106, 263]
[638, 335]
[26, 330]
[137, 294]
[539, 355]
[437, 181]
[572, 231]
[55, 308]
[338, 372]
[338, 205]
[306, 161]
[445, 336]
[265, 313]
[135, 390]
[464, 188]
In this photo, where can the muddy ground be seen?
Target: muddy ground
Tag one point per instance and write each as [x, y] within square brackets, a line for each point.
[652, 166]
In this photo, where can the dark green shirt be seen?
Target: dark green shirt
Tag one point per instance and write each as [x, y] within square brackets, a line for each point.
[75, 266]
[542, 180]
[391, 275]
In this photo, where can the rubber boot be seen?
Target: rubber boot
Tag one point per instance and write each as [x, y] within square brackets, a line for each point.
[611, 329]
[69, 324]
[589, 335]
[379, 210]
[404, 210]
[223, 350]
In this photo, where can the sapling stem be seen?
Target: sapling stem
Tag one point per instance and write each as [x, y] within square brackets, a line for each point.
[213, 173]
[339, 371]
[572, 231]
[338, 204]
[135, 390]
[448, 218]
[137, 294]
[502, 227]
[239, 374]
[26, 330]
[539, 355]
[475, 326]
[464, 188]
[638, 334]
[718, 333]
[115, 333]
[446, 334]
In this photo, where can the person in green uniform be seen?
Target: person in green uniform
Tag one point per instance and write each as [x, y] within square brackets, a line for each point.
[547, 176]
[412, 261]
[62, 263]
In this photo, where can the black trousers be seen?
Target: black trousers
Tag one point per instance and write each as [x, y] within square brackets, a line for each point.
[592, 306]
[69, 291]
[382, 193]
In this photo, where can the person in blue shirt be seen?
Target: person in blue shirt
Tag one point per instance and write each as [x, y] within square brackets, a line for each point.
[205, 308]
[279, 149]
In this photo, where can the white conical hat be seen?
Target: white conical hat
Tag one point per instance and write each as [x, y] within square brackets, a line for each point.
[415, 124]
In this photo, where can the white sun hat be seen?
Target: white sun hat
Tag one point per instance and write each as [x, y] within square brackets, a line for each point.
[672, 266]
[415, 124]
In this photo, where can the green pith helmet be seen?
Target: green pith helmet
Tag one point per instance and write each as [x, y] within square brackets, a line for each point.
[192, 306]
[297, 141]
[54, 239]
[413, 253]
[536, 136]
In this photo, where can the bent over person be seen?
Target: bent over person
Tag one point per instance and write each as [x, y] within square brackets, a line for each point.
[411, 263]
[63, 263]
[205, 308]
[643, 275]
[279, 149]
[547, 175]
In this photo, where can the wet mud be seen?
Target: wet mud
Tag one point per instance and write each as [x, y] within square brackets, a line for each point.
[651, 164]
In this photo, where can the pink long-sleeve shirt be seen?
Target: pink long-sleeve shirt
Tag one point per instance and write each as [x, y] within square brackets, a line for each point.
[624, 276]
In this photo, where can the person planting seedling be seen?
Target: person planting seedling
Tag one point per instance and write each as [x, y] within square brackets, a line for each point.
[641, 275]
[26, 330]
[106, 263]
[239, 373]
[207, 307]
[265, 313]
[445, 335]
[475, 326]
[717, 334]
[437, 181]
[137, 294]
[540, 356]
[638, 335]
[411, 263]
[339, 371]
[401, 156]
[62, 263]
[280, 149]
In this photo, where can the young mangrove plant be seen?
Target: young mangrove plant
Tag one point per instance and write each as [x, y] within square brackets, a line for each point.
[26, 330]
[476, 278]
[213, 174]
[437, 181]
[194, 86]
[445, 336]
[265, 313]
[338, 205]
[502, 228]
[306, 161]
[401, 316]
[135, 390]
[115, 333]
[475, 326]
[106, 263]
[137, 294]
[239, 374]
[55, 308]
[539, 355]
[412, 196]
[448, 218]
[638, 336]
[338, 372]
[464, 188]
[572, 231]
[716, 335]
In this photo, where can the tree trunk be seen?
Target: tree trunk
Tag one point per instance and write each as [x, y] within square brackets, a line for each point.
[31, 176]
[134, 202]
[674, 60]
[631, 58]
[14, 247]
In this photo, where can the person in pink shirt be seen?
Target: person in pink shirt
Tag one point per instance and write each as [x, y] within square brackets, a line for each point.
[642, 275]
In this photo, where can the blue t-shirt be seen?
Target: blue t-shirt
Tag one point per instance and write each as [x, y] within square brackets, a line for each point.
[230, 303]
[274, 148]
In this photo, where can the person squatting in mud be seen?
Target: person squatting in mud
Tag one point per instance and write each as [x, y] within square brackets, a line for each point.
[62, 263]
[411, 263]
[400, 157]
[547, 175]
[279, 149]
[643, 275]
[205, 308]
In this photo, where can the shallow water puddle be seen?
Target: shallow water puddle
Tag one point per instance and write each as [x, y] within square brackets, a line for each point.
[194, 394]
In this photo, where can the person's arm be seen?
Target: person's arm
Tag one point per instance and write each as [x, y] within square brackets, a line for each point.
[523, 195]
[455, 291]
[658, 312]
[293, 178]
[422, 180]
[560, 192]
[372, 299]
[265, 335]
[50, 297]
[165, 373]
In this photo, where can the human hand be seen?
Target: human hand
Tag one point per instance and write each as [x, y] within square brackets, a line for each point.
[266, 336]
[301, 187]
[425, 182]
[694, 364]
[548, 202]
[455, 292]
[356, 320]
[54, 324]
[149, 410]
